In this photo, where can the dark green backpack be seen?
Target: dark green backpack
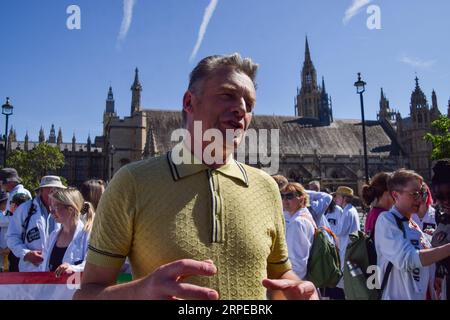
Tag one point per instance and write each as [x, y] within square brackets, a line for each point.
[359, 255]
[324, 269]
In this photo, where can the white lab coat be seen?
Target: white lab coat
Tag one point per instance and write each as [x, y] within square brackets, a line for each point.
[4, 223]
[349, 223]
[299, 238]
[334, 220]
[76, 252]
[319, 202]
[428, 221]
[408, 279]
[36, 234]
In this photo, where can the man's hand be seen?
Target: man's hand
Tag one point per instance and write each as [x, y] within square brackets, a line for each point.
[167, 281]
[65, 268]
[35, 257]
[293, 289]
[4, 251]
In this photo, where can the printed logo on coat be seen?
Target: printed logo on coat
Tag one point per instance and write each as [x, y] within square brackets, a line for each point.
[332, 221]
[33, 234]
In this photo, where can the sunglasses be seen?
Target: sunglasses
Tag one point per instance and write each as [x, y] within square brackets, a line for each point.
[289, 196]
[418, 195]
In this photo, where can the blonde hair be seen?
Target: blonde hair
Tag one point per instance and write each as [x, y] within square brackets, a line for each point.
[298, 188]
[71, 197]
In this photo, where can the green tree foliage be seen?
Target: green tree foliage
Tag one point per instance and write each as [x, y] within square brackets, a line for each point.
[440, 139]
[44, 159]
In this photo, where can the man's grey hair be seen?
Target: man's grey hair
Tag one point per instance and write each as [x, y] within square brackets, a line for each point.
[208, 66]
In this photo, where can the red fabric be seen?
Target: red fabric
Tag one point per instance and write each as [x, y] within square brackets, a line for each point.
[429, 198]
[372, 217]
[32, 278]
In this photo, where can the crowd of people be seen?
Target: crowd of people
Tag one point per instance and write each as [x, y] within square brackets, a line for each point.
[407, 221]
[223, 229]
[50, 231]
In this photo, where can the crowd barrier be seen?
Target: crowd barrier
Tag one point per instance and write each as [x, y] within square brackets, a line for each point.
[42, 285]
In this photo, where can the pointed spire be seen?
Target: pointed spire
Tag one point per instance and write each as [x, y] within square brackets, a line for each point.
[110, 104]
[110, 94]
[382, 94]
[448, 109]
[59, 140]
[323, 85]
[434, 104]
[41, 135]
[25, 146]
[136, 89]
[89, 143]
[52, 136]
[307, 53]
[74, 140]
[417, 82]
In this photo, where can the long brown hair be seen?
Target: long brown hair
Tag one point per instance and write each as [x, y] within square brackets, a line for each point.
[376, 188]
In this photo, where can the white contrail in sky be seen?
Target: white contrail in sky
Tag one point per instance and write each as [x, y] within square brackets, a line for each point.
[354, 9]
[417, 62]
[127, 19]
[201, 32]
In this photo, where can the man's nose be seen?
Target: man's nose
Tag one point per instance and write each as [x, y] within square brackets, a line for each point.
[239, 107]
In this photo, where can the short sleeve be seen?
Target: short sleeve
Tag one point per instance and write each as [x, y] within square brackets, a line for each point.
[278, 261]
[112, 230]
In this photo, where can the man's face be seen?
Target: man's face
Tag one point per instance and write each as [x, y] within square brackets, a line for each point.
[409, 198]
[339, 199]
[45, 193]
[226, 102]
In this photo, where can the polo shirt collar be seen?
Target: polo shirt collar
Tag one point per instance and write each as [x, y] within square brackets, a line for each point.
[232, 168]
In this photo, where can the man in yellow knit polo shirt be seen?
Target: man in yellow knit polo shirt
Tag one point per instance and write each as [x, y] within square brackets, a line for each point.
[197, 229]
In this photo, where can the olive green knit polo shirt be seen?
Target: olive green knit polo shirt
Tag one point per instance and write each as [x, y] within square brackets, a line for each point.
[155, 212]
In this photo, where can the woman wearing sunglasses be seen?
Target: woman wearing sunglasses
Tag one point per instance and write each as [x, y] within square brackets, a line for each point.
[404, 253]
[66, 249]
[300, 226]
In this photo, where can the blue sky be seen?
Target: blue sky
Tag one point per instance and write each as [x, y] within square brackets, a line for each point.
[61, 76]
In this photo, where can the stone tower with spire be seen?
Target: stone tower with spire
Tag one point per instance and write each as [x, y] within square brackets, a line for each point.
[59, 140]
[411, 131]
[136, 90]
[52, 136]
[386, 113]
[41, 136]
[312, 101]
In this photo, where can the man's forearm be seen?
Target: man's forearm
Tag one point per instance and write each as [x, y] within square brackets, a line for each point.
[430, 256]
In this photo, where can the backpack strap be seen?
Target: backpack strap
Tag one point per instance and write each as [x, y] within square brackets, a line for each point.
[399, 222]
[26, 222]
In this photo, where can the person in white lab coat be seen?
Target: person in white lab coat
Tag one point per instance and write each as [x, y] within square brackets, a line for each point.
[349, 223]
[403, 250]
[31, 225]
[300, 226]
[67, 246]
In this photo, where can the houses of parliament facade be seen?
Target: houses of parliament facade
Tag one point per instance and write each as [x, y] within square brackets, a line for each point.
[313, 145]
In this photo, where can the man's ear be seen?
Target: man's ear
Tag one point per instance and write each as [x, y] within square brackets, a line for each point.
[187, 102]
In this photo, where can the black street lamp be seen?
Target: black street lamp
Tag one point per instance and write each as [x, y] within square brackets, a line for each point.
[360, 88]
[7, 110]
[112, 150]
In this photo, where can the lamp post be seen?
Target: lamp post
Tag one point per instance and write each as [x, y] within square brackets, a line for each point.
[112, 150]
[360, 88]
[7, 110]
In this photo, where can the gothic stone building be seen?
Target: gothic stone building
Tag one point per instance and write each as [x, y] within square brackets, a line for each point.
[313, 145]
